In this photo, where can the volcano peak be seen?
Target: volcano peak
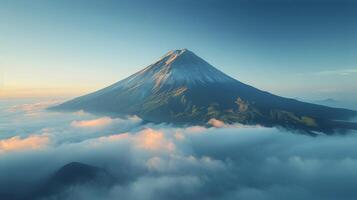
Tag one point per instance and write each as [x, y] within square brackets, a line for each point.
[181, 87]
[178, 51]
[175, 55]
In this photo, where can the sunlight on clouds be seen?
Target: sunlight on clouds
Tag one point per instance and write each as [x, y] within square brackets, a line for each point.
[216, 123]
[17, 143]
[104, 121]
[220, 124]
[195, 129]
[151, 139]
[155, 159]
[147, 139]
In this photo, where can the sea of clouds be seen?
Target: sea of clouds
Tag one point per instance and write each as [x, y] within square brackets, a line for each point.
[161, 161]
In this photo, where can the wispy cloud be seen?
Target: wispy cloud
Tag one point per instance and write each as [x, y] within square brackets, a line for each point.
[340, 72]
[32, 108]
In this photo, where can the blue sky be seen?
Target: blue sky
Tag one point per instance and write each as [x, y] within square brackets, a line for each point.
[293, 48]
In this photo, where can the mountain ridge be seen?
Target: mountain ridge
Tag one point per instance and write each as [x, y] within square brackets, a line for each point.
[182, 88]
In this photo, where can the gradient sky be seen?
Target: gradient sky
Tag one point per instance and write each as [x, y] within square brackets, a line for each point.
[294, 48]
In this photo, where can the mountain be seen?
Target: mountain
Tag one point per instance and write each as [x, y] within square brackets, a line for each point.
[328, 102]
[73, 174]
[182, 88]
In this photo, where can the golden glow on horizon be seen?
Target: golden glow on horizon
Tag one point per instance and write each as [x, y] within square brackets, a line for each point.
[33, 92]
[17, 143]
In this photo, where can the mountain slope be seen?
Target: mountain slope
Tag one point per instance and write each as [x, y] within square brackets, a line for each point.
[183, 88]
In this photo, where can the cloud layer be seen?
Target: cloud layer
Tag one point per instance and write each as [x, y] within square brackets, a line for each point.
[158, 161]
[17, 143]
[93, 123]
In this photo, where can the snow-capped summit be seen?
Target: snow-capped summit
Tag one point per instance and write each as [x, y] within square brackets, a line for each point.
[171, 55]
[176, 68]
[183, 88]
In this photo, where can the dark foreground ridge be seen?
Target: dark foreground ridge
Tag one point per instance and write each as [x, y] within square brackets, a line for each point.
[62, 182]
[74, 174]
[182, 88]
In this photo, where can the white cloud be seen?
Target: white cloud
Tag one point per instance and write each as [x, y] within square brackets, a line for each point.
[158, 161]
[104, 121]
[340, 72]
[16, 143]
[216, 123]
